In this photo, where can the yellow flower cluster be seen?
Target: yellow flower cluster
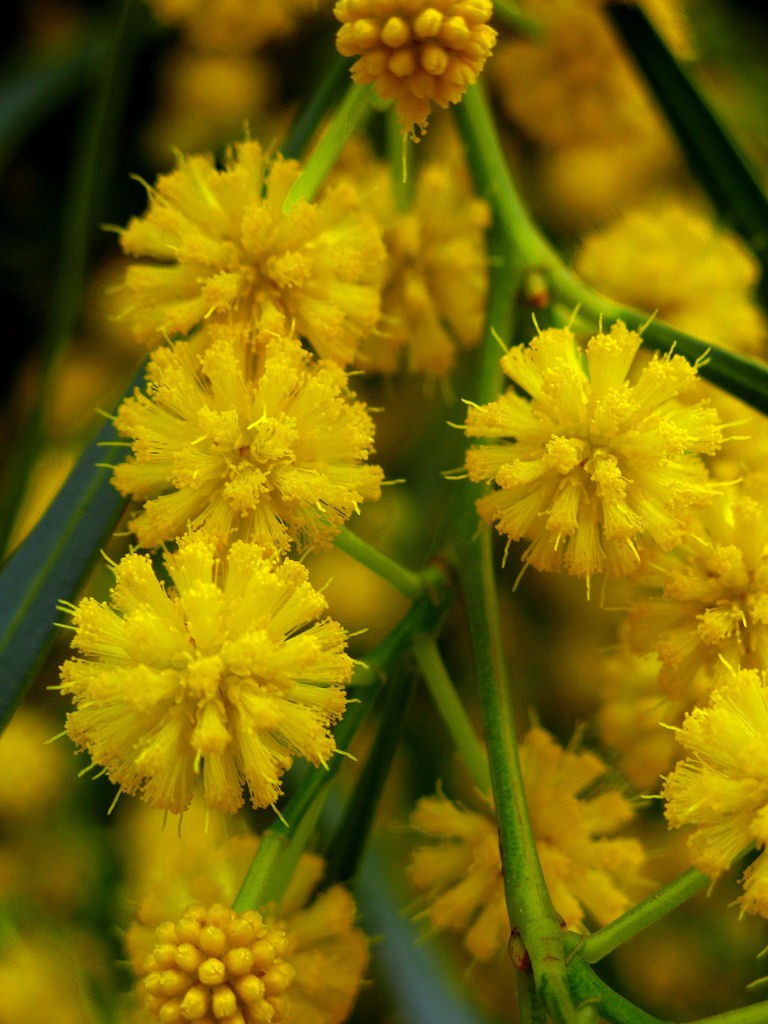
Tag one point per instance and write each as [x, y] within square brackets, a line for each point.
[217, 245]
[710, 616]
[644, 259]
[232, 25]
[215, 964]
[588, 871]
[257, 442]
[721, 788]
[318, 955]
[437, 240]
[591, 467]
[227, 675]
[416, 51]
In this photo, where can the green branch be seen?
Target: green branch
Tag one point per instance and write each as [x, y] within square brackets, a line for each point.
[412, 584]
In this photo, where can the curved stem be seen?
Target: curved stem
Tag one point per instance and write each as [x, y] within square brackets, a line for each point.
[531, 251]
[412, 584]
[656, 906]
[452, 711]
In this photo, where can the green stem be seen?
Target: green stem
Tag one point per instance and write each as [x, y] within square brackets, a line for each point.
[412, 584]
[533, 920]
[315, 108]
[613, 1007]
[531, 251]
[350, 115]
[451, 710]
[652, 909]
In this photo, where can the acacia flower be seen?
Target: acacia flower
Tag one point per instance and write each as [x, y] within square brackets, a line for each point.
[214, 964]
[643, 259]
[709, 616]
[226, 674]
[262, 443]
[438, 241]
[319, 951]
[216, 245]
[586, 870]
[416, 51]
[721, 788]
[592, 467]
[232, 26]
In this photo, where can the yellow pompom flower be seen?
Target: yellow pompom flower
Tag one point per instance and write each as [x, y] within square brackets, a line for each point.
[416, 51]
[587, 870]
[644, 260]
[721, 788]
[216, 245]
[261, 443]
[593, 467]
[572, 83]
[225, 674]
[232, 26]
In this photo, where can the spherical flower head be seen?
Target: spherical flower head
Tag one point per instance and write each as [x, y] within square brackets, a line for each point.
[721, 788]
[586, 871]
[32, 769]
[260, 443]
[709, 614]
[319, 943]
[232, 26]
[572, 84]
[438, 241]
[214, 963]
[591, 467]
[643, 259]
[216, 245]
[226, 674]
[417, 52]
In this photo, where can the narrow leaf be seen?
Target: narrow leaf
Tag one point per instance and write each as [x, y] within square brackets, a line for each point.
[51, 564]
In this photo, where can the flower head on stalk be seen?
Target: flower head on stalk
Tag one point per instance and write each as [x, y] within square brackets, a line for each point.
[589, 466]
[216, 245]
[308, 945]
[417, 52]
[253, 441]
[587, 870]
[721, 787]
[227, 674]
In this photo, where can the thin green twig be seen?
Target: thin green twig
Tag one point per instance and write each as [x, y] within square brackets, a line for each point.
[412, 584]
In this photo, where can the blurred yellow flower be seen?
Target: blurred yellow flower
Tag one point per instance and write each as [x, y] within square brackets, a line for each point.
[587, 871]
[216, 245]
[261, 443]
[416, 51]
[226, 674]
[644, 260]
[232, 26]
[592, 468]
[437, 241]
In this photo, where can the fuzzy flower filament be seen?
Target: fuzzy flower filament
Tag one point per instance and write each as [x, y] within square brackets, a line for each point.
[416, 52]
[216, 244]
[226, 675]
[260, 443]
[592, 467]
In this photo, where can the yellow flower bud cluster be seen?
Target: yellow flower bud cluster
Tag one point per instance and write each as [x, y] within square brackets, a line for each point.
[214, 964]
[416, 52]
